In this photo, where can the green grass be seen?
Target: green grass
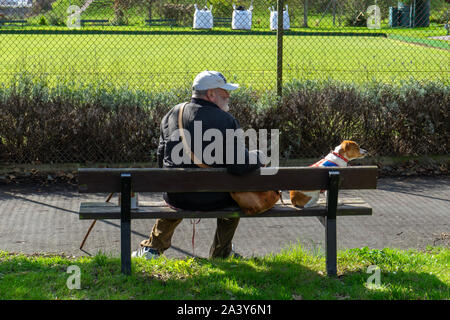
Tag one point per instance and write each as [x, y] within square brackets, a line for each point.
[291, 274]
[165, 61]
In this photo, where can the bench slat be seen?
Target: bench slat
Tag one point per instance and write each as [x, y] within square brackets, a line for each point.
[92, 180]
[106, 210]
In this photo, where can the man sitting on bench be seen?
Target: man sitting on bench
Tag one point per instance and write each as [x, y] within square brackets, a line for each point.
[208, 109]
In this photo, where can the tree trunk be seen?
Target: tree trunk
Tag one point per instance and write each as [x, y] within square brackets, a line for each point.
[305, 14]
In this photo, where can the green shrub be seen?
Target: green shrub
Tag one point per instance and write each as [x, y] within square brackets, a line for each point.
[357, 19]
[99, 122]
[407, 119]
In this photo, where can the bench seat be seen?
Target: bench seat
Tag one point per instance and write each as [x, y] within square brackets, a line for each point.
[141, 180]
[153, 210]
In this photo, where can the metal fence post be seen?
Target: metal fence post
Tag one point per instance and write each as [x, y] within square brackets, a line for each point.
[305, 14]
[280, 30]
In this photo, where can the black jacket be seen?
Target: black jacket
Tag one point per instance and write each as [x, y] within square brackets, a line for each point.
[211, 117]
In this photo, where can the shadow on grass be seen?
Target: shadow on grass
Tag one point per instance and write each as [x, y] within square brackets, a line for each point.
[276, 278]
[290, 280]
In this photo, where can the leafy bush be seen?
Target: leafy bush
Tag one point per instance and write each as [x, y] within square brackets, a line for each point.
[222, 8]
[358, 19]
[409, 119]
[43, 21]
[102, 123]
[56, 19]
[42, 5]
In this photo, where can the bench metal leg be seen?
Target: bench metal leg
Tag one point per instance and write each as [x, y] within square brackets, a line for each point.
[330, 246]
[330, 224]
[125, 223]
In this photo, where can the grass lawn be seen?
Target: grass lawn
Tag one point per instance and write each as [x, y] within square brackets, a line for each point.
[292, 274]
[165, 60]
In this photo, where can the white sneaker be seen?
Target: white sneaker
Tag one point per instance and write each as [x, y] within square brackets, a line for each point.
[234, 254]
[146, 252]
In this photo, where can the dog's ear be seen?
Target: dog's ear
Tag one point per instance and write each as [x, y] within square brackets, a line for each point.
[344, 147]
[347, 146]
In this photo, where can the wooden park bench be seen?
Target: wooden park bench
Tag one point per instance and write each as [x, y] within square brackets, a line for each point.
[124, 180]
[94, 21]
[222, 22]
[161, 22]
[21, 22]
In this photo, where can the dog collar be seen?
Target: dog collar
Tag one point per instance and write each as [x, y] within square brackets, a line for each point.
[339, 156]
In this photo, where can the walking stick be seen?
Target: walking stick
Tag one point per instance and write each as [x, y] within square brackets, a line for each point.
[93, 223]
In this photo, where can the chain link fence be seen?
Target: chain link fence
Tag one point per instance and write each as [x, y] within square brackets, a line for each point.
[155, 47]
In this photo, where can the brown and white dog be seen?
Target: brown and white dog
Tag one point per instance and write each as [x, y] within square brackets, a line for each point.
[348, 150]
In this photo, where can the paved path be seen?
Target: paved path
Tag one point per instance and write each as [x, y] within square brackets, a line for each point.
[408, 213]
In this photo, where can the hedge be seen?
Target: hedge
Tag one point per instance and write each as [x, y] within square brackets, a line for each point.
[73, 123]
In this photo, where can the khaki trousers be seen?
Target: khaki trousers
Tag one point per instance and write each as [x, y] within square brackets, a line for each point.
[163, 229]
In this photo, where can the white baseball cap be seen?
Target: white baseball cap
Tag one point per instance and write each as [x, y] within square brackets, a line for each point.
[211, 80]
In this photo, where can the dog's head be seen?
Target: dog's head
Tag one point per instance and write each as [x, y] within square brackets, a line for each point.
[350, 150]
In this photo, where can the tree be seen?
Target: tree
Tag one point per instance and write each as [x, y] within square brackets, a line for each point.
[119, 7]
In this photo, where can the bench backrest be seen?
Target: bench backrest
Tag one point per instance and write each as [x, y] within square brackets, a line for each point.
[92, 180]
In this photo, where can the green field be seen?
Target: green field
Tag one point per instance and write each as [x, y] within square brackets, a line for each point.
[161, 58]
[164, 60]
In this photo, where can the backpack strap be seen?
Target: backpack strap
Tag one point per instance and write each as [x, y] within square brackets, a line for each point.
[183, 138]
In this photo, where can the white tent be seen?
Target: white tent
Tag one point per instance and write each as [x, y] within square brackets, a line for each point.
[242, 19]
[203, 18]
[274, 19]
